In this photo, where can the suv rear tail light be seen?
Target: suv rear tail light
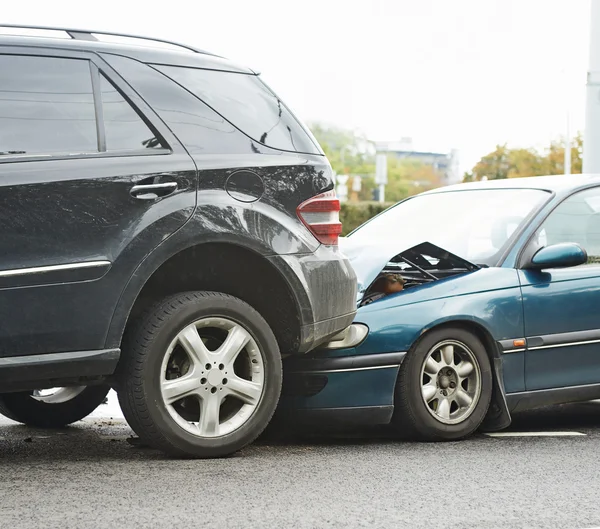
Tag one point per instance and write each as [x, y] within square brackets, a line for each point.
[321, 215]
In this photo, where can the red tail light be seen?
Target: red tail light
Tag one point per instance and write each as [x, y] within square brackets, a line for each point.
[321, 215]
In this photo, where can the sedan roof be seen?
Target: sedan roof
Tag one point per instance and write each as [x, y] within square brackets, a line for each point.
[554, 183]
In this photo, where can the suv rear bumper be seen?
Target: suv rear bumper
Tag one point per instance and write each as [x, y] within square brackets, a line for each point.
[324, 284]
[314, 334]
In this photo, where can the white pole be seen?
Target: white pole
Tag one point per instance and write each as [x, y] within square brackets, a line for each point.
[381, 193]
[591, 139]
[568, 146]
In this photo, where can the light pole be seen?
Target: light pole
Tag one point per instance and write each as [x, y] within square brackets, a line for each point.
[343, 156]
[568, 147]
[591, 139]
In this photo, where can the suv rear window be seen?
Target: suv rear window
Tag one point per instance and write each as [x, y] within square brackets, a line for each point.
[246, 102]
[124, 129]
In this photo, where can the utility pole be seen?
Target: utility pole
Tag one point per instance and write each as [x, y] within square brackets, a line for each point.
[381, 174]
[568, 146]
[591, 138]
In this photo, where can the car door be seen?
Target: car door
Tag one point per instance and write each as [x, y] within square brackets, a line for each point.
[562, 306]
[90, 182]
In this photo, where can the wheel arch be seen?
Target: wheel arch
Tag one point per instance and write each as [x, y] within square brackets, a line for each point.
[196, 262]
[498, 416]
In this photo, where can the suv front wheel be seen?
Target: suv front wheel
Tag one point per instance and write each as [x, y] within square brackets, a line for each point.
[52, 408]
[200, 375]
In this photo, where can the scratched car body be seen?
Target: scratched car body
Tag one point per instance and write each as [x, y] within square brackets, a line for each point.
[498, 311]
[168, 229]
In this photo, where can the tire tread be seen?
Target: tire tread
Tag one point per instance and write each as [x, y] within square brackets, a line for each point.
[137, 345]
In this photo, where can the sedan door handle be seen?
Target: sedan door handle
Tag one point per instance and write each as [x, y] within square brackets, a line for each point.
[153, 191]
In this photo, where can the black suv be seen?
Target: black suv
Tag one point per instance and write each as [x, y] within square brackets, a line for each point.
[169, 229]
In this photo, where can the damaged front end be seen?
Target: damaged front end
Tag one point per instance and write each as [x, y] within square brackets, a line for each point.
[419, 265]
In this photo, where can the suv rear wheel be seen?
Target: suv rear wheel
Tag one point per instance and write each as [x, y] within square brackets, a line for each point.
[52, 408]
[200, 375]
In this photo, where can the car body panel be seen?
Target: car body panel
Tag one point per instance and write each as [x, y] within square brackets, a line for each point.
[77, 208]
[372, 387]
[489, 297]
[542, 327]
[68, 212]
[561, 307]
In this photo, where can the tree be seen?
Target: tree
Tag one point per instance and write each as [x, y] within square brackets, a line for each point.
[493, 166]
[407, 177]
[555, 157]
[352, 153]
[347, 151]
[516, 163]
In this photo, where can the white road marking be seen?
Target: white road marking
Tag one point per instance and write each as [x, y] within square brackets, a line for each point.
[534, 434]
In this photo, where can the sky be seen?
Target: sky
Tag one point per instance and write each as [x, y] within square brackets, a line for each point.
[464, 74]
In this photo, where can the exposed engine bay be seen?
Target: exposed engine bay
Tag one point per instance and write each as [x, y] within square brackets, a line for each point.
[416, 266]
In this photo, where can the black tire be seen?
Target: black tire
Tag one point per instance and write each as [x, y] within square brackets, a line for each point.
[24, 408]
[412, 417]
[139, 374]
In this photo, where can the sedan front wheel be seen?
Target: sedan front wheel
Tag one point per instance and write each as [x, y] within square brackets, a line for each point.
[444, 386]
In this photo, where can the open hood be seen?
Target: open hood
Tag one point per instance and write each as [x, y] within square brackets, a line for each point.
[422, 263]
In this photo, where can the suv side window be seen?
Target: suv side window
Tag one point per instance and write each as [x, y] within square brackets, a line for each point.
[124, 129]
[576, 219]
[246, 102]
[46, 106]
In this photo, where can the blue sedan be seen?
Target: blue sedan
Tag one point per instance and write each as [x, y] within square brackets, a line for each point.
[475, 301]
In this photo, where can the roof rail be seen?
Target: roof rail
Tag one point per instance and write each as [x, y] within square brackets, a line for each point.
[86, 34]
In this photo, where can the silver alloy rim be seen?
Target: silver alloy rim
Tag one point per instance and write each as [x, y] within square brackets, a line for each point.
[450, 382]
[57, 395]
[212, 377]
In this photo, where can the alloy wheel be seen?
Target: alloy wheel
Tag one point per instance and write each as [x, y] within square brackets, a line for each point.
[212, 377]
[57, 395]
[450, 382]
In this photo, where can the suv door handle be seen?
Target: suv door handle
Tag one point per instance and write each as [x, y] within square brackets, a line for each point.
[153, 191]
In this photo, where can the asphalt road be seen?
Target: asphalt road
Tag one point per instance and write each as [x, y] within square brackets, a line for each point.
[90, 476]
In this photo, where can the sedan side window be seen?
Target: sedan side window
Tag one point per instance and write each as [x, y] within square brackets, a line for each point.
[577, 220]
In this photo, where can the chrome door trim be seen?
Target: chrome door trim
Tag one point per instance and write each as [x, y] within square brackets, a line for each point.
[53, 268]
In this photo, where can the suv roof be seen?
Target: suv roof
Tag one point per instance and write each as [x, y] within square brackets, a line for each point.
[145, 49]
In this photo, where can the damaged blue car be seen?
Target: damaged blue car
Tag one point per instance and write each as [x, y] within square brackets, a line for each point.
[475, 301]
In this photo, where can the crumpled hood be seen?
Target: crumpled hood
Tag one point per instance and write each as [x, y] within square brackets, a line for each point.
[369, 259]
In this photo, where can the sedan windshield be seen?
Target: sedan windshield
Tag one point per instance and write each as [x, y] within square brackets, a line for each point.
[473, 224]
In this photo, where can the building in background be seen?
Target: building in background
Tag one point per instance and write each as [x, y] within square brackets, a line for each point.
[446, 163]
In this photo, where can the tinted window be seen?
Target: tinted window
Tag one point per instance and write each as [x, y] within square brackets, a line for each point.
[577, 220]
[245, 101]
[46, 106]
[124, 128]
[199, 127]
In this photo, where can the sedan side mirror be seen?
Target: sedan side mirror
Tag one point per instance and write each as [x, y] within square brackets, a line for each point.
[561, 255]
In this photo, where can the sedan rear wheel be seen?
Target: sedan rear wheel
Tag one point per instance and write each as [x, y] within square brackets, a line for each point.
[444, 386]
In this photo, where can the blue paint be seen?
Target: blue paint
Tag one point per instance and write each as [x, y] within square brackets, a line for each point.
[559, 256]
[371, 387]
[502, 301]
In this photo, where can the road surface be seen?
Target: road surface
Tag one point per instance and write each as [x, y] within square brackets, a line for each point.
[89, 475]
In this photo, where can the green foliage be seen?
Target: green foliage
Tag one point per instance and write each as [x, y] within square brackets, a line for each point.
[504, 162]
[354, 214]
[354, 154]
[347, 151]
